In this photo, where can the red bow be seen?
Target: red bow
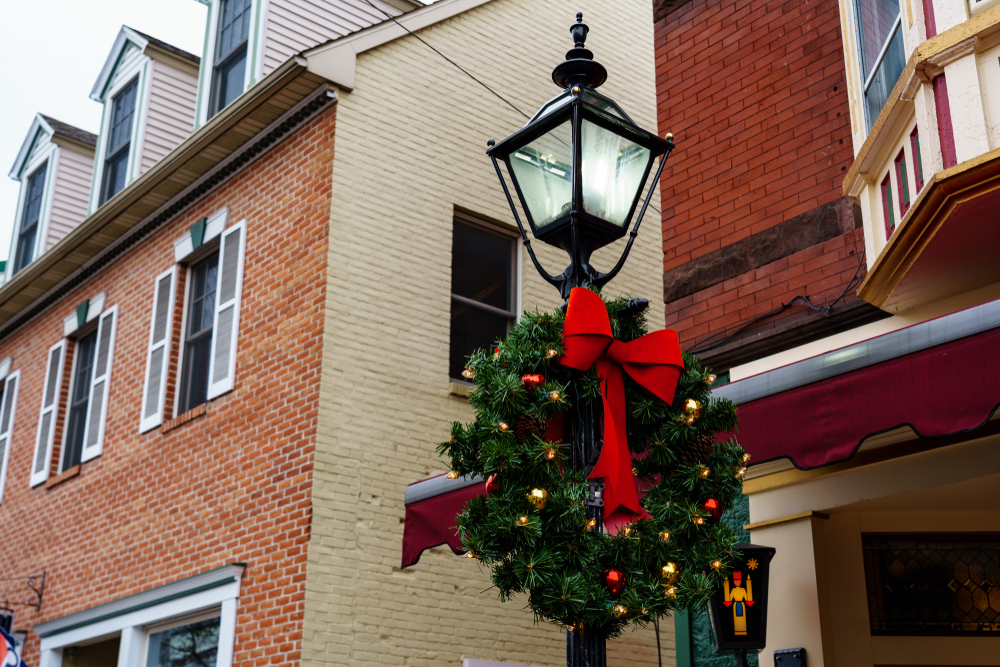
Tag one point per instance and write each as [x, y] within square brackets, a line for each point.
[654, 361]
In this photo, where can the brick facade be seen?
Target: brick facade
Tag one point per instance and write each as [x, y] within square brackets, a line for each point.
[231, 485]
[756, 96]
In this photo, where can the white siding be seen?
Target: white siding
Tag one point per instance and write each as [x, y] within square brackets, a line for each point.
[39, 148]
[128, 66]
[297, 25]
[170, 112]
[69, 200]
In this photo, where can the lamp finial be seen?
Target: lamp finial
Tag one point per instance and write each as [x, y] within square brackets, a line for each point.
[579, 66]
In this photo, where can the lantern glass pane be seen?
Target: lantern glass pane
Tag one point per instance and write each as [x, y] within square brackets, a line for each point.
[543, 173]
[612, 172]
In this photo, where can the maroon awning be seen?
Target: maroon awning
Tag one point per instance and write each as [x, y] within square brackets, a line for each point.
[942, 390]
[940, 377]
[431, 507]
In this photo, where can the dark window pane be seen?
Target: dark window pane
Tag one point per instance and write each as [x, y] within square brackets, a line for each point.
[29, 219]
[192, 645]
[79, 399]
[198, 336]
[472, 329]
[115, 170]
[481, 266]
[119, 138]
[886, 76]
[229, 79]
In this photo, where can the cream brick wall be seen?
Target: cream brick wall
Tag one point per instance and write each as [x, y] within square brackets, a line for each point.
[410, 149]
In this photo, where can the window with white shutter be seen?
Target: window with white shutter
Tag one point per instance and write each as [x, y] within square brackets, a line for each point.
[97, 407]
[158, 356]
[222, 368]
[42, 459]
[8, 401]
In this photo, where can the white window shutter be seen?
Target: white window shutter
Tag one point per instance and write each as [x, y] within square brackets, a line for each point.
[154, 388]
[225, 327]
[7, 423]
[42, 459]
[97, 408]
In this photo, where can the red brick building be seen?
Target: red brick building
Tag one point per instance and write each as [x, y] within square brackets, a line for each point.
[754, 220]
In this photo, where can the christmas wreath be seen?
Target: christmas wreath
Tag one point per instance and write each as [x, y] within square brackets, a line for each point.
[531, 528]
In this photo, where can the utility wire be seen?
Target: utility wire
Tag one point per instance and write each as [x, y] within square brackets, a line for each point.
[460, 68]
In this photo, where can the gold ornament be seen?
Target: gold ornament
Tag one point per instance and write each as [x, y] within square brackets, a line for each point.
[452, 475]
[716, 564]
[671, 592]
[704, 472]
[550, 453]
[591, 525]
[468, 374]
[523, 520]
[710, 380]
[670, 572]
[503, 426]
[664, 536]
[551, 354]
[692, 408]
[538, 498]
[669, 136]
[620, 610]
[553, 395]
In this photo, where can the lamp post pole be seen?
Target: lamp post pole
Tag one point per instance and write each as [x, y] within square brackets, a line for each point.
[578, 168]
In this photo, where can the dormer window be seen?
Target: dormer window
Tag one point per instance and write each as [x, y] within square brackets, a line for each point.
[30, 216]
[119, 141]
[54, 169]
[229, 75]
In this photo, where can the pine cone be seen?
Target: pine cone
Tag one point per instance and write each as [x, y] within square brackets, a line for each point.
[698, 450]
[529, 425]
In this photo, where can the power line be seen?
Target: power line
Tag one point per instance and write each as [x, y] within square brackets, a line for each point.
[460, 68]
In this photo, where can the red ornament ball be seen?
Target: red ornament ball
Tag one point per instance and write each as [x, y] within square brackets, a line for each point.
[614, 581]
[532, 380]
[714, 508]
[492, 485]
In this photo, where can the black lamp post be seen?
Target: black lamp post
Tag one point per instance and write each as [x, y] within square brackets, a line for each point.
[579, 167]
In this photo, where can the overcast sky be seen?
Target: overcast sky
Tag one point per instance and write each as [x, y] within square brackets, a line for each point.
[52, 52]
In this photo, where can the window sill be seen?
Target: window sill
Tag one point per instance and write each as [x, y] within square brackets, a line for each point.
[459, 389]
[69, 473]
[184, 418]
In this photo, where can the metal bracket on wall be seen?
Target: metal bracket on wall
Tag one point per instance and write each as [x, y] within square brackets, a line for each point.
[790, 657]
[13, 587]
[595, 497]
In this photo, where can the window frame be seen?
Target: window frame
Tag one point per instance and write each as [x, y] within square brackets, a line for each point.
[918, 167]
[90, 329]
[49, 157]
[868, 78]
[109, 155]
[885, 190]
[222, 60]
[254, 68]
[902, 183]
[179, 399]
[515, 279]
[43, 171]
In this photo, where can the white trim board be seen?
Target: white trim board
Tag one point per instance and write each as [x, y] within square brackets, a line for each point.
[201, 590]
[337, 60]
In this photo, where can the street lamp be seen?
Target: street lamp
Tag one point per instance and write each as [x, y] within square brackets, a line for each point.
[579, 167]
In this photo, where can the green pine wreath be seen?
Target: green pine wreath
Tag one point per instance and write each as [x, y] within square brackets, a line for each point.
[551, 553]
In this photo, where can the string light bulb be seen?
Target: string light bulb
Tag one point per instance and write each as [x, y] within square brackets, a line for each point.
[664, 536]
[698, 520]
[523, 520]
[746, 459]
[741, 472]
[503, 427]
[471, 554]
[626, 530]
[554, 395]
[550, 453]
[716, 564]
[452, 475]
[620, 610]
[551, 353]
[671, 592]
[710, 380]
[468, 374]
[591, 524]
[704, 472]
